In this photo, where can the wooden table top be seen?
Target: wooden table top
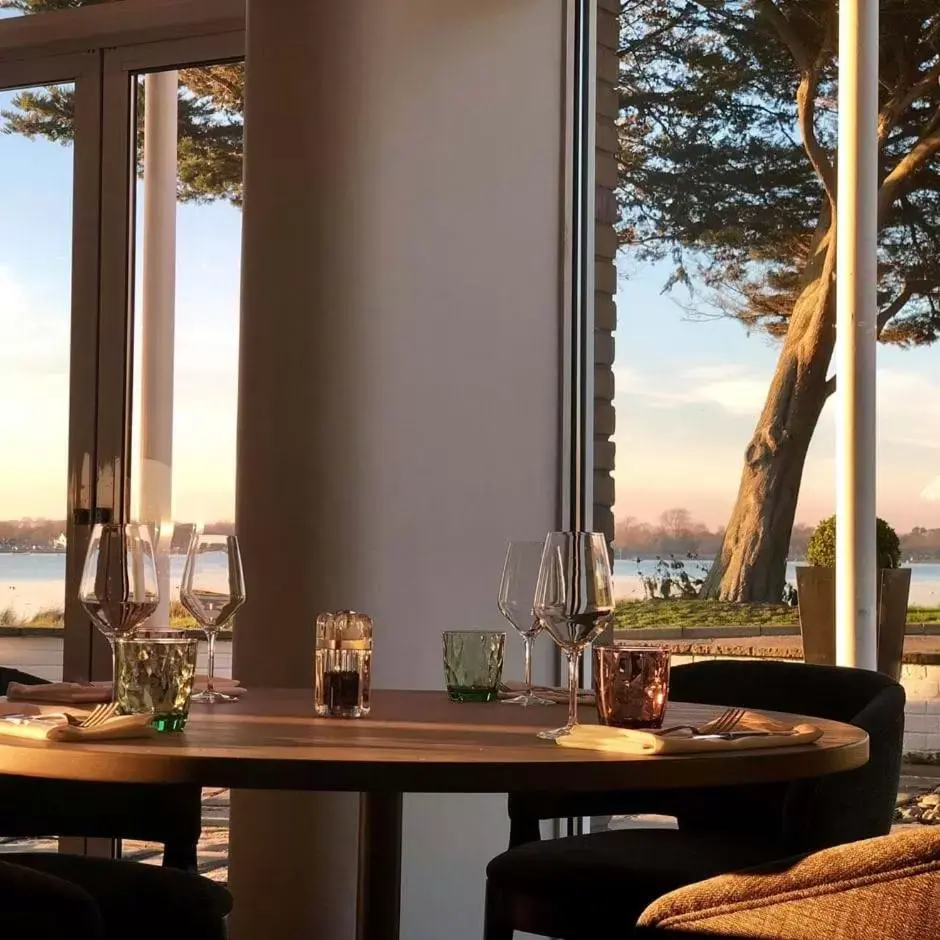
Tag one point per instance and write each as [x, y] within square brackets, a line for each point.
[416, 742]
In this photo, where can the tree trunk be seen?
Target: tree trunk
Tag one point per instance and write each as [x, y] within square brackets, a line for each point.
[751, 562]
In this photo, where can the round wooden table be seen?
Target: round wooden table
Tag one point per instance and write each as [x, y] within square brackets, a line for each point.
[414, 742]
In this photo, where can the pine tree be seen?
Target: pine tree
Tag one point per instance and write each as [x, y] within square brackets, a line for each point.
[211, 109]
[728, 136]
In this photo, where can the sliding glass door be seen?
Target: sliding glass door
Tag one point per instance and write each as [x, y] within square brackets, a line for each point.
[49, 116]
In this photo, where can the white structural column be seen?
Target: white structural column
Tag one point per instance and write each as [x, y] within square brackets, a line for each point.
[293, 856]
[158, 313]
[856, 556]
[398, 394]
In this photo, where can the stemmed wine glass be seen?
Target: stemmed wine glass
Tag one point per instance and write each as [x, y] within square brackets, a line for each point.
[573, 601]
[520, 574]
[212, 589]
[119, 581]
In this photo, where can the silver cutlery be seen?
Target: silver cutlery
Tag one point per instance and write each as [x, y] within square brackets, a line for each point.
[98, 716]
[727, 721]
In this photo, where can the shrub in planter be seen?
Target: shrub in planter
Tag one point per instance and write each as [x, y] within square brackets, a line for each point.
[821, 551]
[817, 601]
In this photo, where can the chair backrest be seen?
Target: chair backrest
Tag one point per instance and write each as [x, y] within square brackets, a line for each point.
[169, 814]
[838, 808]
[808, 815]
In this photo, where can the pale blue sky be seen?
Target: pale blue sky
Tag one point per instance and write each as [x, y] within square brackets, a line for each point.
[687, 392]
[688, 395]
[35, 246]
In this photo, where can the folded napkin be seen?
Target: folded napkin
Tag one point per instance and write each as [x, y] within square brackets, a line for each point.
[630, 741]
[55, 727]
[550, 692]
[60, 693]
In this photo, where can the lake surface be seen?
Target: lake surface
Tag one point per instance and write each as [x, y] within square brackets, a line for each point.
[925, 578]
[30, 583]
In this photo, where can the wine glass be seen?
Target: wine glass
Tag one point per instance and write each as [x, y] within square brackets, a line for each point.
[516, 587]
[119, 581]
[212, 589]
[573, 601]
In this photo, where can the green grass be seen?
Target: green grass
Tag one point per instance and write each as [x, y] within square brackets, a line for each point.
[923, 614]
[180, 618]
[635, 615]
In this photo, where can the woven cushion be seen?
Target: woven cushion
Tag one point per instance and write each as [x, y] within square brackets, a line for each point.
[632, 866]
[872, 890]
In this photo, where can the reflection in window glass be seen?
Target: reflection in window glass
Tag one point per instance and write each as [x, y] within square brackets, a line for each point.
[202, 399]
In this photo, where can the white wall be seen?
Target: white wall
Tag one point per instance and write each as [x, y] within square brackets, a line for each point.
[465, 346]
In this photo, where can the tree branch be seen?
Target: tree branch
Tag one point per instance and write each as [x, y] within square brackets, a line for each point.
[810, 68]
[897, 180]
[894, 308]
[896, 106]
[806, 112]
[784, 28]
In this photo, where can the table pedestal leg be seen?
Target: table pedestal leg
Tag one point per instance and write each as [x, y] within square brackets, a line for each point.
[379, 891]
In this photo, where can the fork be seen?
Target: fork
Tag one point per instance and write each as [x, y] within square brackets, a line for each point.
[728, 720]
[98, 716]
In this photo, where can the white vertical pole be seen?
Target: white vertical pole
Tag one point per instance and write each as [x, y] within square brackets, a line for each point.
[857, 227]
[158, 292]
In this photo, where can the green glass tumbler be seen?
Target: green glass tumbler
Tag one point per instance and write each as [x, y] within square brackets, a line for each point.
[473, 664]
[155, 673]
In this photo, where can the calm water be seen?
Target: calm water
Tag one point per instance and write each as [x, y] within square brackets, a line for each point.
[925, 578]
[29, 583]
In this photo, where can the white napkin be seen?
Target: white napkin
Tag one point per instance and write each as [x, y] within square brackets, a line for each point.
[630, 741]
[55, 727]
[61, 693]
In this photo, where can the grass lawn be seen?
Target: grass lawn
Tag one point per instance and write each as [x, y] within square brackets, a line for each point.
[180, 618]
[634, 615]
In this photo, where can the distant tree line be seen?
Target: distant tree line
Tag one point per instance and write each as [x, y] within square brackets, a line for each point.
[678, 533]
[39, 535]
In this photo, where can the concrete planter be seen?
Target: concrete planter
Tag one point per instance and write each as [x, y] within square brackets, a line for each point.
[817, 602]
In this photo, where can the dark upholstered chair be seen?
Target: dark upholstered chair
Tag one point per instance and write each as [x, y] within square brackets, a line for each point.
[50, 896]
[564, 888]
[880, 889]
[170, 815]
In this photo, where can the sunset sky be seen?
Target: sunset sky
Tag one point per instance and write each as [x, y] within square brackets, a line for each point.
[35, 245]
[687, 392]
[688, 396]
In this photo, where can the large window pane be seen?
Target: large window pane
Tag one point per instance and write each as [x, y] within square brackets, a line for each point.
[203, 309]
[36, 176]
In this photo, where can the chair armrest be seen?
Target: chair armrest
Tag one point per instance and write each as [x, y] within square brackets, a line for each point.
[869, 890]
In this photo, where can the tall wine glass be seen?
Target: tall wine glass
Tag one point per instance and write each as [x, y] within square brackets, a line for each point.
[212, 589]
[119, 581]
[573, 601]
[516, 587]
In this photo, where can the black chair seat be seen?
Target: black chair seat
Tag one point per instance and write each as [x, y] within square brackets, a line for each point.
[580, 886]
[145, 902]
[40, 905]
